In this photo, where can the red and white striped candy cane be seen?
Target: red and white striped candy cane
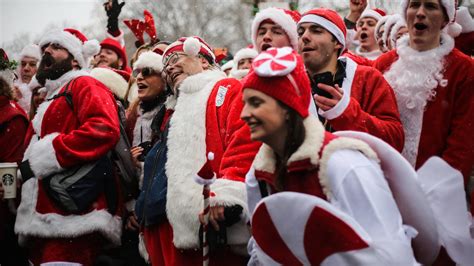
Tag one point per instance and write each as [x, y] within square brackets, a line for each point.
[206, 191]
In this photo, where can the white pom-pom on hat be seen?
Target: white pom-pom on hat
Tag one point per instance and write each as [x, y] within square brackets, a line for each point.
[453, 29]
[90, 48]
[192, 46]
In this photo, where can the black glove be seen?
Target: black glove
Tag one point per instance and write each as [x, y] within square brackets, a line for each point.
[113, 13]
[25, 170]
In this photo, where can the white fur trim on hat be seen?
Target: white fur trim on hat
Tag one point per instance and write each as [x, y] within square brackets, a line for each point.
[280, 18]
[380, 23]
[463, 18]
[244, 54]
[114, 81]
[393, 33]
[370, 13]
[391, 21]
[149, 59]
[328, 25]
[31, 50]
[80, 52]
[227, 65]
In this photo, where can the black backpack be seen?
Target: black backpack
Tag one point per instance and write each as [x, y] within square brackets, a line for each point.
[120, 154]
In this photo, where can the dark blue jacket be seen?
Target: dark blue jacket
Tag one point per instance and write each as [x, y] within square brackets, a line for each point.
[150, 207]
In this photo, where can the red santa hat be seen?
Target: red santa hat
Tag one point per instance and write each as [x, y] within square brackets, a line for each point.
[206, 176]
[7, 68]
[280, 73]
[286, 19]
[306, 235]
[75, 42]
[328, 19]
[374, 13]
[190, 46]
[115, 46]
[452, 28]
[114, 79]
[31, 50]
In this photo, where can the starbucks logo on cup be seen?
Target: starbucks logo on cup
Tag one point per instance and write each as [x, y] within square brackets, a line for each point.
[7, 179]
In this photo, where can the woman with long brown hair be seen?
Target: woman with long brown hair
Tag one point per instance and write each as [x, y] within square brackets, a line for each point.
[340, 176]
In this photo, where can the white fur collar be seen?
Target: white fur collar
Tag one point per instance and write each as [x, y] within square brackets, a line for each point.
[369, 55]
[309, 149]
[196, 82]
[52, 87]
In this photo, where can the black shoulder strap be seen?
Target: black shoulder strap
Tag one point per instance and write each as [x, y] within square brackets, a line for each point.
[66, 93]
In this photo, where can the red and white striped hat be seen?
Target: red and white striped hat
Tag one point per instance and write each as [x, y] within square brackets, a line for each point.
[191, 46]
[307, 235]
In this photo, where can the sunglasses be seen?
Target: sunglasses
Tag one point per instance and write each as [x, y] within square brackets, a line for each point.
[146, 72]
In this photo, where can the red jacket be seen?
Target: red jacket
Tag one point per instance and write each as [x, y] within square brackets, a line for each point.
[69, 136]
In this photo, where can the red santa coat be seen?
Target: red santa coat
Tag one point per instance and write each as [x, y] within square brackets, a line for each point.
[69, 137]
[368, 105]
[206, 119]
[14, 123]
[447, 120]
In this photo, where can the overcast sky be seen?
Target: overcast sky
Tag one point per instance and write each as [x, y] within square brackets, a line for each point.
[33, 16]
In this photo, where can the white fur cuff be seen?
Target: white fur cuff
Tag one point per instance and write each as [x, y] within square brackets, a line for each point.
[42, 157]
[464, 19]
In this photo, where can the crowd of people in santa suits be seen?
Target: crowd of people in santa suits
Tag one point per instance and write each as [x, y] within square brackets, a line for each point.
[330, 141]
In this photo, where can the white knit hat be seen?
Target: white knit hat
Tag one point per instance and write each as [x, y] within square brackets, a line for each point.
[31, 50]
[452, 28]
[149, 59]
[75, 42]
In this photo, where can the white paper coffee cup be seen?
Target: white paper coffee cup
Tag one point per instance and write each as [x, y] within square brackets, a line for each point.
[8, 179]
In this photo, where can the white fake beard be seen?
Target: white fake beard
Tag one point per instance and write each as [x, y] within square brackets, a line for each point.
[415, 75]
[414, 78]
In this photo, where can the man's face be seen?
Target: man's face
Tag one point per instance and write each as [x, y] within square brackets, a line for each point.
[425, 19]
[178, 66]
[55, 62]
[108, 58]
[365, 32]
[245, 63]
[317, 46]
[28, 67]
[269, 35]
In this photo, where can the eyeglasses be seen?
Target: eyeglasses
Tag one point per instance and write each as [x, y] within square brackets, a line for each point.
[172, 59]
[146, 72]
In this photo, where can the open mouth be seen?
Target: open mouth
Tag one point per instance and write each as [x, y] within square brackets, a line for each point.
[363, 36]
[420, 26]
[142, 86]
[253, 125]
[266, 46]
[307, 49]
[174, 76]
